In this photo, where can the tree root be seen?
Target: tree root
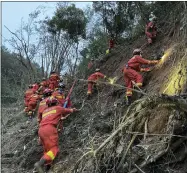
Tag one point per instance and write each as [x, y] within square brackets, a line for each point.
[136, 119]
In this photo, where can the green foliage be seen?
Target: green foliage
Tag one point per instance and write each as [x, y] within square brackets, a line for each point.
[117, 16]
[14, 77]
[69, 19]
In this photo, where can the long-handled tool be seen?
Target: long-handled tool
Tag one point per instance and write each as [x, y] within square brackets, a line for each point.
[69, 94]
[65, 106]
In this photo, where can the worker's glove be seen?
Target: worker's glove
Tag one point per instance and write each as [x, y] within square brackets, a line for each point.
[75, 110]
[145, 69]
[155, 62]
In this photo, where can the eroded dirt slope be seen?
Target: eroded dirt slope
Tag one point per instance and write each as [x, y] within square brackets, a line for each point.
[105, 113]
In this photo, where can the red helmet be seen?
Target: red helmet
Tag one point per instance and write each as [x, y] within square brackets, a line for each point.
[51, 101]
[47, 91]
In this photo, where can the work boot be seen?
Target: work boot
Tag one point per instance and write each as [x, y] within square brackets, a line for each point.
[31, 114]
[39, 165]
[128, 100]
[47, 168]
[88, 96]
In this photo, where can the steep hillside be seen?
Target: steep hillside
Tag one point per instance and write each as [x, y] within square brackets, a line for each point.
[106, 135]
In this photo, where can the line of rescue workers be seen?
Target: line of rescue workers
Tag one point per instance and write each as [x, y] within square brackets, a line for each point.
[55, 107]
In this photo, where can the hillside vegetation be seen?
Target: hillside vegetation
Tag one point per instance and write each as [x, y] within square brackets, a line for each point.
[106, 136]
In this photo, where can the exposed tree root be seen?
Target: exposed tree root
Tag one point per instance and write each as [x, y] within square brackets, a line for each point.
[135, 119]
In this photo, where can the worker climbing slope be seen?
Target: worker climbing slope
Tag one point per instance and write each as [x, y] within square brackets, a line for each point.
[33, 100]
[59, 94]
[53, 80]
[27, 96]
[48, 131]
[43, 85]
[131, 72]
[111, 44]
[151, 29]
[35, 86]
[92, 80]
[90, 64]
[42, 106]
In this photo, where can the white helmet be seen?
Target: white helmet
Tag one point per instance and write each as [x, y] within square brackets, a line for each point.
[137, 51]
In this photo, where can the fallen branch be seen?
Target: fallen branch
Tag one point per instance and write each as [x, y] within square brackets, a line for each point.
[116, 85]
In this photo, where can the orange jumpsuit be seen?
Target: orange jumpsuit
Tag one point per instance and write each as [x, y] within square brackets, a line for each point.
[131, 72]
[33, 102]
[53, 81]
[41, 108]
[111, 43]
[90, 64]
[59, 96]
[35, 87]
[94, 77]
[48, 131]
[151, 31]
[43, 86]
[27, 96]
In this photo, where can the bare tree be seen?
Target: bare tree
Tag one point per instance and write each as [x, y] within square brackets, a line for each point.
[22, 42]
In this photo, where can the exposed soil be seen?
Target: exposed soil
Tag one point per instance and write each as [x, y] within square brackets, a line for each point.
[99, 117]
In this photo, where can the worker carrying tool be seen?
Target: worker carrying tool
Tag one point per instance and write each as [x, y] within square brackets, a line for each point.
[151, 29]
[27, 96]
[53, 80]
[42, 106]
[131, 70]
[92, 80]
[48, 132]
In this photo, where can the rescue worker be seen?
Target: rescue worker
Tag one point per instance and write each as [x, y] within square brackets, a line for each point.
[131, 72]
[111, 42]
[90, 64]
[48, 132]
[42, 106]
[53, 80]
[59, 94]
[92, 80]
[27, 96]
[151, 30]
[43, 85]
[33, 100]
[35, 86]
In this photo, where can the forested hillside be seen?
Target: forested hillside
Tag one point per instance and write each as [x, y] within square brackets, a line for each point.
[106, 134]
[14, 77]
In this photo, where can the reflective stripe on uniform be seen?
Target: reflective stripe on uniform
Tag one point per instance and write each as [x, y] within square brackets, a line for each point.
[139, 84]
[128, 93]
[51, 155]
[42, 103]
[59, 97]
[47, 113]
